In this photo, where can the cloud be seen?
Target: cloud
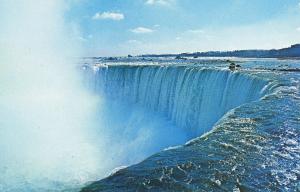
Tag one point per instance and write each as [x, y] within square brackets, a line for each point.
[195, 31]
[159, 2]
[109, 15]
[140, 30]
[133, 41]
[298, 29]
[82, 39]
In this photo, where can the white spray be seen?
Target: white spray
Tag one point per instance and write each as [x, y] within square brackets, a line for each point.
[51, 136]
[43, 110]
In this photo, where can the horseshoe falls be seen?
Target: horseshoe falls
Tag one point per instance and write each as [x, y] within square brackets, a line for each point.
[207, 128]
[158, 125]
[193, 98]
[161, 122]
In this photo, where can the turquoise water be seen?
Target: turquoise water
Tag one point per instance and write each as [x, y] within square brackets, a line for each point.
[241, 127]
[144, 124]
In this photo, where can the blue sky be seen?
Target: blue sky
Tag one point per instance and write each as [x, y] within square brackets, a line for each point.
[121, 27]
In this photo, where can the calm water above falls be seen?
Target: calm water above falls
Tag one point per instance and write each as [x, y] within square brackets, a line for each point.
[254, 147]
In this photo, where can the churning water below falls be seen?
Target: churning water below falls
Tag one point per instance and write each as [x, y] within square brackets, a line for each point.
[193, 125]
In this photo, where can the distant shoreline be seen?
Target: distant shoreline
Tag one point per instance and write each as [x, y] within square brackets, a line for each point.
[292, 52]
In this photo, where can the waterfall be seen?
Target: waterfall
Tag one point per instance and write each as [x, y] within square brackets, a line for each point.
[192, 97]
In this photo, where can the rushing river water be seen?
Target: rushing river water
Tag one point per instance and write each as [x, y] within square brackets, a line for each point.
[253, 147]
[157, 124]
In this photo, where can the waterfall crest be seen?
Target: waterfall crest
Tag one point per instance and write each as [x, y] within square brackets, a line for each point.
[193, 98]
